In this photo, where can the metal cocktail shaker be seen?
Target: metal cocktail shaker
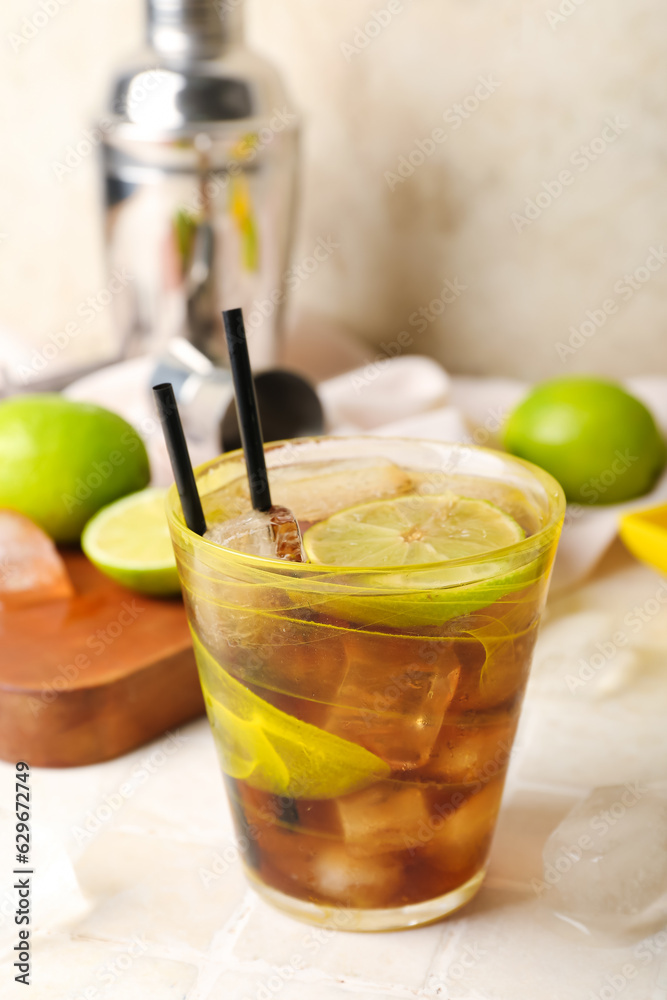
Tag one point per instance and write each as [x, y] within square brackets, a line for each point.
[200, 157]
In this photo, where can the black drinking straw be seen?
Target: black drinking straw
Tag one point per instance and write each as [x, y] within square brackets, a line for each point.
[179, 457]
[246, 406]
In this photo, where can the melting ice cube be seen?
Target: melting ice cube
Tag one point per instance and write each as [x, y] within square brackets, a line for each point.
[470, 753]
[384, 818]
[356, 882]
[393, 696]
[314, 491]
[460, 837]
[605, 866]
[272, 534]
[31, 571]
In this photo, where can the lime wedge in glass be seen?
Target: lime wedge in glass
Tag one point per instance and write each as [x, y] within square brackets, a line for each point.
[275, 752]
[411, 531]
[129, 542]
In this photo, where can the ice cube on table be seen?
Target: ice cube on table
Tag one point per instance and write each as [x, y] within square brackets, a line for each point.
[273, 534]
[605, 865]
[31, 571]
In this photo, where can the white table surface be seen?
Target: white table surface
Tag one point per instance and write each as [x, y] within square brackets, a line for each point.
[124, 911]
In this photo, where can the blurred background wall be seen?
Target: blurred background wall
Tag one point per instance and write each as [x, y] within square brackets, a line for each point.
[501, 167]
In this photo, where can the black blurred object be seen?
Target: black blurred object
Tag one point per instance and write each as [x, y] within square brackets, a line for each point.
[288, 407]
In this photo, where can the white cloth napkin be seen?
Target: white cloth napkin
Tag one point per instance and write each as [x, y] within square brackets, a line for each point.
[409, 396]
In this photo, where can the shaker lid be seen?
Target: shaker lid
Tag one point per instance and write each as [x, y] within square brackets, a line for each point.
[193, 28]
[196, 76]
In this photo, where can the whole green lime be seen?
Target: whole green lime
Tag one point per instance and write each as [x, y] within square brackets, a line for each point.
[61, 461]
[598, 441]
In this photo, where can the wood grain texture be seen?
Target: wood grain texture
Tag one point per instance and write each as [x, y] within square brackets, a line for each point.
[88, 678]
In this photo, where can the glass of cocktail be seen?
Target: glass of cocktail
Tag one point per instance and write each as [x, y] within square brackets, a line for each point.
[364, 703]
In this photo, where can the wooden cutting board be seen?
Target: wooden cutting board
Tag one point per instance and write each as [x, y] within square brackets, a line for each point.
[88, 678]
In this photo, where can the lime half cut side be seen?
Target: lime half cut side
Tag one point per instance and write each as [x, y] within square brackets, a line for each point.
[411, 531]
[274, 752]
[129, 542]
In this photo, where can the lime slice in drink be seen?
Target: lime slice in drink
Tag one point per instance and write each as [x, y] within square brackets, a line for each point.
[415, 531]
[275, 752]
[411, 531]
[129, 541]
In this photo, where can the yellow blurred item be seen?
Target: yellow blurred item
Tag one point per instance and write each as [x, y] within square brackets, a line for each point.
[645, 534]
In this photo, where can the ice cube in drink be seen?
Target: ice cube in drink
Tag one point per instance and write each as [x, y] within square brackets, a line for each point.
[273, 534]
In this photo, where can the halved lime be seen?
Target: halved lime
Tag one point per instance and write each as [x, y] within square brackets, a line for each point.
[411, 531]
[275, 752]
[129, 542]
